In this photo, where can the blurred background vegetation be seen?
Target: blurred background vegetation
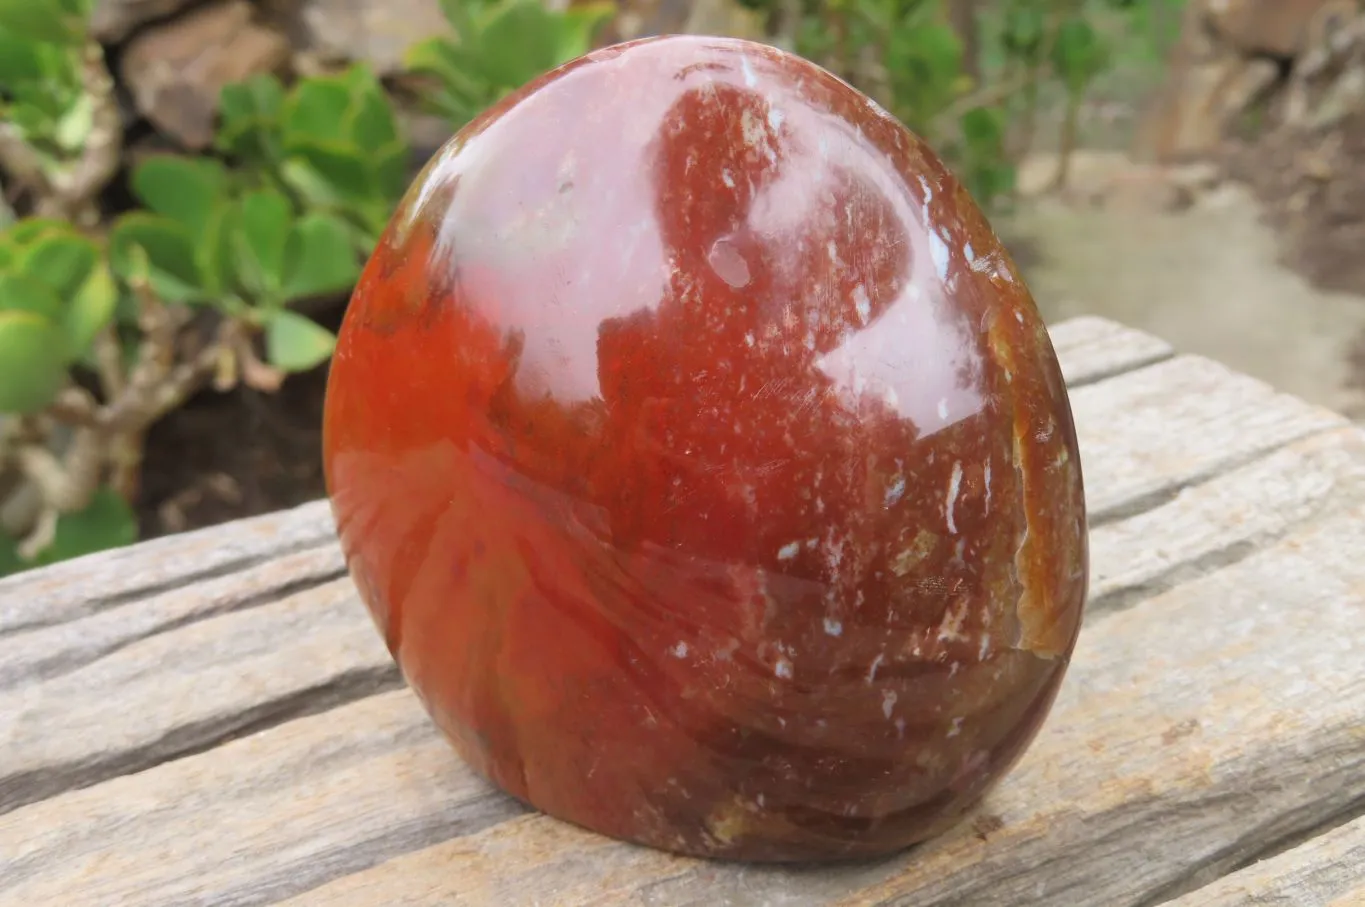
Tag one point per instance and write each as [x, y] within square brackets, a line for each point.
[191, 186]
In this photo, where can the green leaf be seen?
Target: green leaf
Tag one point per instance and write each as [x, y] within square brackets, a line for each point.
[48, 21]
[248, 124]
[259, 240]
[463, 89]
[371, 122]
[62, 259]
[316, 110]
[72, 130]
[213, 257]
[33, 356]
[1079, 54]
[106, 522]
[90, 309]
[20, 60]
[32, 229]
[1023, 31]
[182, 188]
[517, 42]
[579, 27]
[984, 130]
[169, 255]
[319, 258]
[26, 293]
[329, 176]
[294, 343]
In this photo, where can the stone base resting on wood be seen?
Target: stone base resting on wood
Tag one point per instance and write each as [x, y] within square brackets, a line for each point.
[212, 719]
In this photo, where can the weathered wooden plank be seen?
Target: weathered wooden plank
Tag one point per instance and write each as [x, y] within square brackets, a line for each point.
[124, 820]
[278, 811]
[60, 648]
[1218, 522]
[1326, 871]
[182, 690]
[1145, 435]
[1195, 729]
[88, 585]
[1091, 349]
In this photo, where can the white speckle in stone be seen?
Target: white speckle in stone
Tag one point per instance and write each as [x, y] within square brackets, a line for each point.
[754, 133]
[833, 627]
[985, 648]
[1018, 316]
[812, 542]
[788, 551]
[954, 484]
[862, 304]
[750, 79]
[986, 480]
[896, 491]
[943, 408]
[888, 703]
[970, 253]
[938, 251]
[783, 669]
[872, 668]
[950, 629]
[728, 263]
[749, 338]
[680, 650]
[727, 179]
[759, 800]
[956, 728]
[775, 118]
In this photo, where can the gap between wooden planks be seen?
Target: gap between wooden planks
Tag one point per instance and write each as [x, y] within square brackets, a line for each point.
[1326, 871]
[1144, 437]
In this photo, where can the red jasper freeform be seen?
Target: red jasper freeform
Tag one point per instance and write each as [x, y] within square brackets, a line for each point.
[705, 462]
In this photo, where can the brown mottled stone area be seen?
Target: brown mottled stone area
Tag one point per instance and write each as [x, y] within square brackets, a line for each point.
[705, 462]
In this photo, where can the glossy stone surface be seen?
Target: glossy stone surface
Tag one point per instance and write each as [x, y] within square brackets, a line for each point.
[705, 462]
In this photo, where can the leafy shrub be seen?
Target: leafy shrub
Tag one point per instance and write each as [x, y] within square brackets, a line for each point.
[497, 48]
[107, 325]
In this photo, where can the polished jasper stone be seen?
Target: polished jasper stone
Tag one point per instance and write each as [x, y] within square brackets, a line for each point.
[705, 463]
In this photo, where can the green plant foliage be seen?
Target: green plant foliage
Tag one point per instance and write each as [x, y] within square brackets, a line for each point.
[498, 48]
[50, 21]
[1078, 54]
[33, 356]
[56, 293]
[40, 92]
[331, 143]
[979, 113]
[250, 252]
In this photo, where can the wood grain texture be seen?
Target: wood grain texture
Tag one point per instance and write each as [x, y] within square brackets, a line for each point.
[340, 822]
[1326, 871]
[1195, 729]
[88, 585]
[1147, 434]
[1091, 349]
[275, 812]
